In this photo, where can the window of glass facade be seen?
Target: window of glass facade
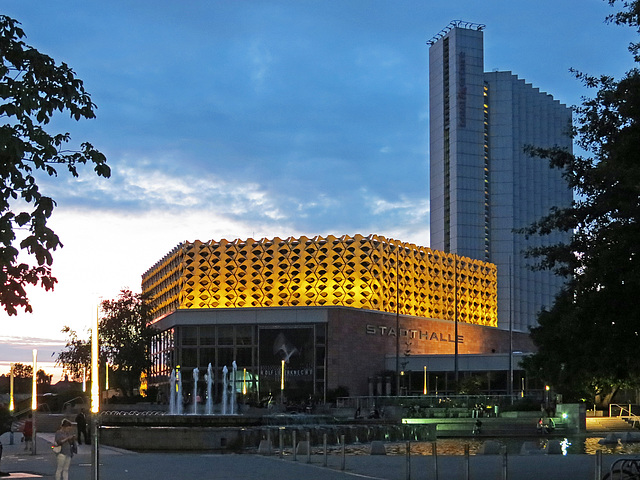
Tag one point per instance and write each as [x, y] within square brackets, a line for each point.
[162, 354]
[244, 356]
[225, 335]
[189, 357]
[225, 357]
[189, 335]
[207, 356]
[207, 335]
[244, 335]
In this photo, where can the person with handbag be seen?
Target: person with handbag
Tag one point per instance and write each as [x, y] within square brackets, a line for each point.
[66, 440]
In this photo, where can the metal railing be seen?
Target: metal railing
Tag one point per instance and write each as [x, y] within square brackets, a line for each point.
[72, 402]
[434, 400]
[624, 411]
[624, 469]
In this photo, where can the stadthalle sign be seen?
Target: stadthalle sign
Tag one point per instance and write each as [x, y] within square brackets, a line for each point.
[432, 336]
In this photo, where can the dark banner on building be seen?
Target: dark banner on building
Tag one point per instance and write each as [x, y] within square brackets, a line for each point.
[295, 347]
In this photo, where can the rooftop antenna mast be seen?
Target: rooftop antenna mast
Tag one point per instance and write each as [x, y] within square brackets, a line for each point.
[455, 24]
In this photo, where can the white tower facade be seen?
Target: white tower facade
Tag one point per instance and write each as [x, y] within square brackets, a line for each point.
[483, 184]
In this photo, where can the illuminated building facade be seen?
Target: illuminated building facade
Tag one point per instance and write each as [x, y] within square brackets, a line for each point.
[484, 186]
[321, 304]
[371, 273]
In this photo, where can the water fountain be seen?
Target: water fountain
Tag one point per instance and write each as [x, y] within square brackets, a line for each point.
[209, 377]
[179, 394]
[196, 375]
[172, 393]
[209, 431]
[225, 389]
[233, 388]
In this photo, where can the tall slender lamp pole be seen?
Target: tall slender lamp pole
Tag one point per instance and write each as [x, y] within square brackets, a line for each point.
[455, 314]
[95, 399]
[34, 400]
[282, 382]
[510, 335]
[424, 391]
[12, 405]
[397, 321]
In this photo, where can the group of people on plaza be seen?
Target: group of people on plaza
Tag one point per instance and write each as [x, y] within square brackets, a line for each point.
[65, 444]
[545, 425]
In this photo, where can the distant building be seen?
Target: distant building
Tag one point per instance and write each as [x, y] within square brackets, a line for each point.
[338, 311]
[483, 184]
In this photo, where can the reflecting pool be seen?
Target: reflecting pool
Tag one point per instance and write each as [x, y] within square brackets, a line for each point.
[456, 446]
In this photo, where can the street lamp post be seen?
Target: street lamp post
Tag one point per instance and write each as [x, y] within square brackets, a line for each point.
[455, 314]
[34, 400]
[95, 400]
[244, 381]
[282, 384]
[397, 321]
[510, 336]
[424, 389]
[12, 406]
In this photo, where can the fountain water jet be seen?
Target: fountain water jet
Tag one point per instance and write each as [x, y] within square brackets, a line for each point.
[172, 393]
[225, 389]
[179, 394]
[233, 388]
[196, 375]
[209, 377]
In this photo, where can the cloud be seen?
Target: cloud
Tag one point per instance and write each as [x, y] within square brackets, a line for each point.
[28, 341]
[137, 186]
[19, 349]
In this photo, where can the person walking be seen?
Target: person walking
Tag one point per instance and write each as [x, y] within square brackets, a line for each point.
[27, 433]
[67, 441]
[81, 424]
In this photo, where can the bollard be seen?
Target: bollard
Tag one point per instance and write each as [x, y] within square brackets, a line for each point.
[324, 444]
[295, 455]
[504, 466]
[434, 453]
[466, 462]
[342, 467]
[281, 441]
[408, 473]
[308, 447]
[598, 465]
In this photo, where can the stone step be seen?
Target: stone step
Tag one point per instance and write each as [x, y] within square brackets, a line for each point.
[608, 424]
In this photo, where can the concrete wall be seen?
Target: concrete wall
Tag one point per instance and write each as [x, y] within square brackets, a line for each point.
[170, 438]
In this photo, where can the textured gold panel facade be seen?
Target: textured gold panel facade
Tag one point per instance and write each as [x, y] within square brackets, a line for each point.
[370, 272]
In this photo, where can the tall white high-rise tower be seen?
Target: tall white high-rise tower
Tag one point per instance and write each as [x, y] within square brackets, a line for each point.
[483, 184]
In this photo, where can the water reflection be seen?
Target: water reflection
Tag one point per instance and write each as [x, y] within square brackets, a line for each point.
[455, 446]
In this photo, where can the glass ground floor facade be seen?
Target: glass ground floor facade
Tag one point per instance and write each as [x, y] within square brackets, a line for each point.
[271, 361]
[297, 355]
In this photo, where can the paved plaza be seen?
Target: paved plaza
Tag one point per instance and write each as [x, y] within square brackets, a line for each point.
[117, 464]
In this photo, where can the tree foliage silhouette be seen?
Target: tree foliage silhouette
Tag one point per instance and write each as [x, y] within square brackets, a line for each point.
[33, 88]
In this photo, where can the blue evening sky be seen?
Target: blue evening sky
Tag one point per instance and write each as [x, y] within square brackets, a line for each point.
[236, 119]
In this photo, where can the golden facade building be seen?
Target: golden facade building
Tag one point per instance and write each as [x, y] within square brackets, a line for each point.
[312, 305]
[372, 273]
